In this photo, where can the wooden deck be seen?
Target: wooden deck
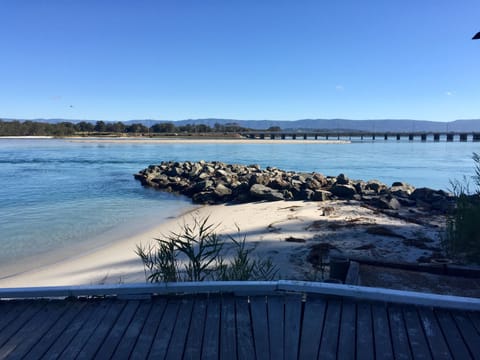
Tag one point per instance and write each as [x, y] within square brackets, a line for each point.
[284, 326]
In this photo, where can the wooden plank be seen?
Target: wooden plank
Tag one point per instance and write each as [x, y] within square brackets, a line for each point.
[468, 331]
[133, 332]
[399, 335]
[149, 330]
[20, 344]
[164, 331]
[118, 330]
[365, 338]
[211, 338]
[293, 321]
[329, 342]
[228, 343]
[434, 335]
[12, 311]
[381, 332]
[416, 337]
[176, 348]
[258, 306]
[193, 349]
[81, 338]
[100, 333]
[245, 340]
[5, 308]
[39, 349]
[32, 307]
[346, 341]
[475, 318]
[312, 327]
[276, 325]
[93, 308]
[452, 336]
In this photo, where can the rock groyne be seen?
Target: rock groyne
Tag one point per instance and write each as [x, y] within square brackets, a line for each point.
[217, 182]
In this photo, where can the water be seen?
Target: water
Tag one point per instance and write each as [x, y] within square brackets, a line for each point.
[56, 193]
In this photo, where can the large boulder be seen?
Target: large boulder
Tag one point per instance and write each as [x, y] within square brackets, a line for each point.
[262, 192]
[343, 191]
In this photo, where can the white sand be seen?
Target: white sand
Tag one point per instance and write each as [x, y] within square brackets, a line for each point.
[266, 225]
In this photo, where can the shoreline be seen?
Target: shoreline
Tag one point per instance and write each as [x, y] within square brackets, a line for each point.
[286, 231]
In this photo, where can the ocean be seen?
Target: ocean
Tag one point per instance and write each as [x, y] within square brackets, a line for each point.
[56, 193]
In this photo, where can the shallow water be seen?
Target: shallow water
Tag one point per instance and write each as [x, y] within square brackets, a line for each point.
[55, 193]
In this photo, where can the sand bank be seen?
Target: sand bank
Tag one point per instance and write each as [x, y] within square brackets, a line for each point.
[284, 230]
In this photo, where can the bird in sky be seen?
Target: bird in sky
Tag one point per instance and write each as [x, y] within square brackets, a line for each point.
[476, 36]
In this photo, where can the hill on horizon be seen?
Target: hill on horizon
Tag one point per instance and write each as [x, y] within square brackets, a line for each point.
[385, 125]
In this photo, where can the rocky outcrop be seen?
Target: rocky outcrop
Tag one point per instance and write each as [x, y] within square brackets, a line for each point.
[217, 182]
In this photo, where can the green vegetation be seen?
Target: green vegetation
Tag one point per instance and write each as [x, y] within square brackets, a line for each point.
[197, 253]
[462, 238]
[36, 128]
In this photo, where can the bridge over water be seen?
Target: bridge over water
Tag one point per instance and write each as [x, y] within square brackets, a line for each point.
[364, 136]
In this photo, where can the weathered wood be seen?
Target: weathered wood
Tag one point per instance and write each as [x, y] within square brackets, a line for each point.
[228, 343]
[475, 318]
[258, 306]
[193, 348]
[134, 330]
[97, 337]
[433, 333]
[468, 331]
[452, 336]
[11, 311]
[88, 328]
[365, 344]
[211, 338]
[346, 341]
[165, 329]
[93, 308]
[118, 330]
[416, 337]
[47, 339]
[329, 342]
[245, 337]
[293, 319]
[276, 325]
[149, 330]
[180, 331]
[11, 329]
[381, 332]
[312, 328]
[398, 330]
[20, 344]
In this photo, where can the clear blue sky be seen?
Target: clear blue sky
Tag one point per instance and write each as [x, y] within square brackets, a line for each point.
[242, 59]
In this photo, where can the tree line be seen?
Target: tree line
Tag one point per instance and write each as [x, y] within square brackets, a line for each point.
[36, 128]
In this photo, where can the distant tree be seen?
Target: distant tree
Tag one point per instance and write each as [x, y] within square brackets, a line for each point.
[100, 126]
[117, 127]
[163, 128]
[84, 126]
[136, 128]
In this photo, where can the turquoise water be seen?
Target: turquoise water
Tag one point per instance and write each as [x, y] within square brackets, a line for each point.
[55, 193]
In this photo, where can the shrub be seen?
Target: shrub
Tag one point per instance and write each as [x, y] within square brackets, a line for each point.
[462, 238]
[197, 253]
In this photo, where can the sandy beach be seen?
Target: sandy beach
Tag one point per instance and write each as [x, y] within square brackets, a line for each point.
[286, 231]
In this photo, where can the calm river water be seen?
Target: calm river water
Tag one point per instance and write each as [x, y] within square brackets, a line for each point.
[54, 193]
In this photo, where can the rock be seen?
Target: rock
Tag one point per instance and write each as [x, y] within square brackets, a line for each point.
[222, 191]
[342, 179]
[376, 186]
[321, 195]
[384, 202]
[262, 192]
[404, 190]
[343, 191]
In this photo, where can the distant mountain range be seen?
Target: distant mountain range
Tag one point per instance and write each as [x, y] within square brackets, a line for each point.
[318, 124]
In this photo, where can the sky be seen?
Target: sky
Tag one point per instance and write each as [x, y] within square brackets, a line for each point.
[239, 59]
